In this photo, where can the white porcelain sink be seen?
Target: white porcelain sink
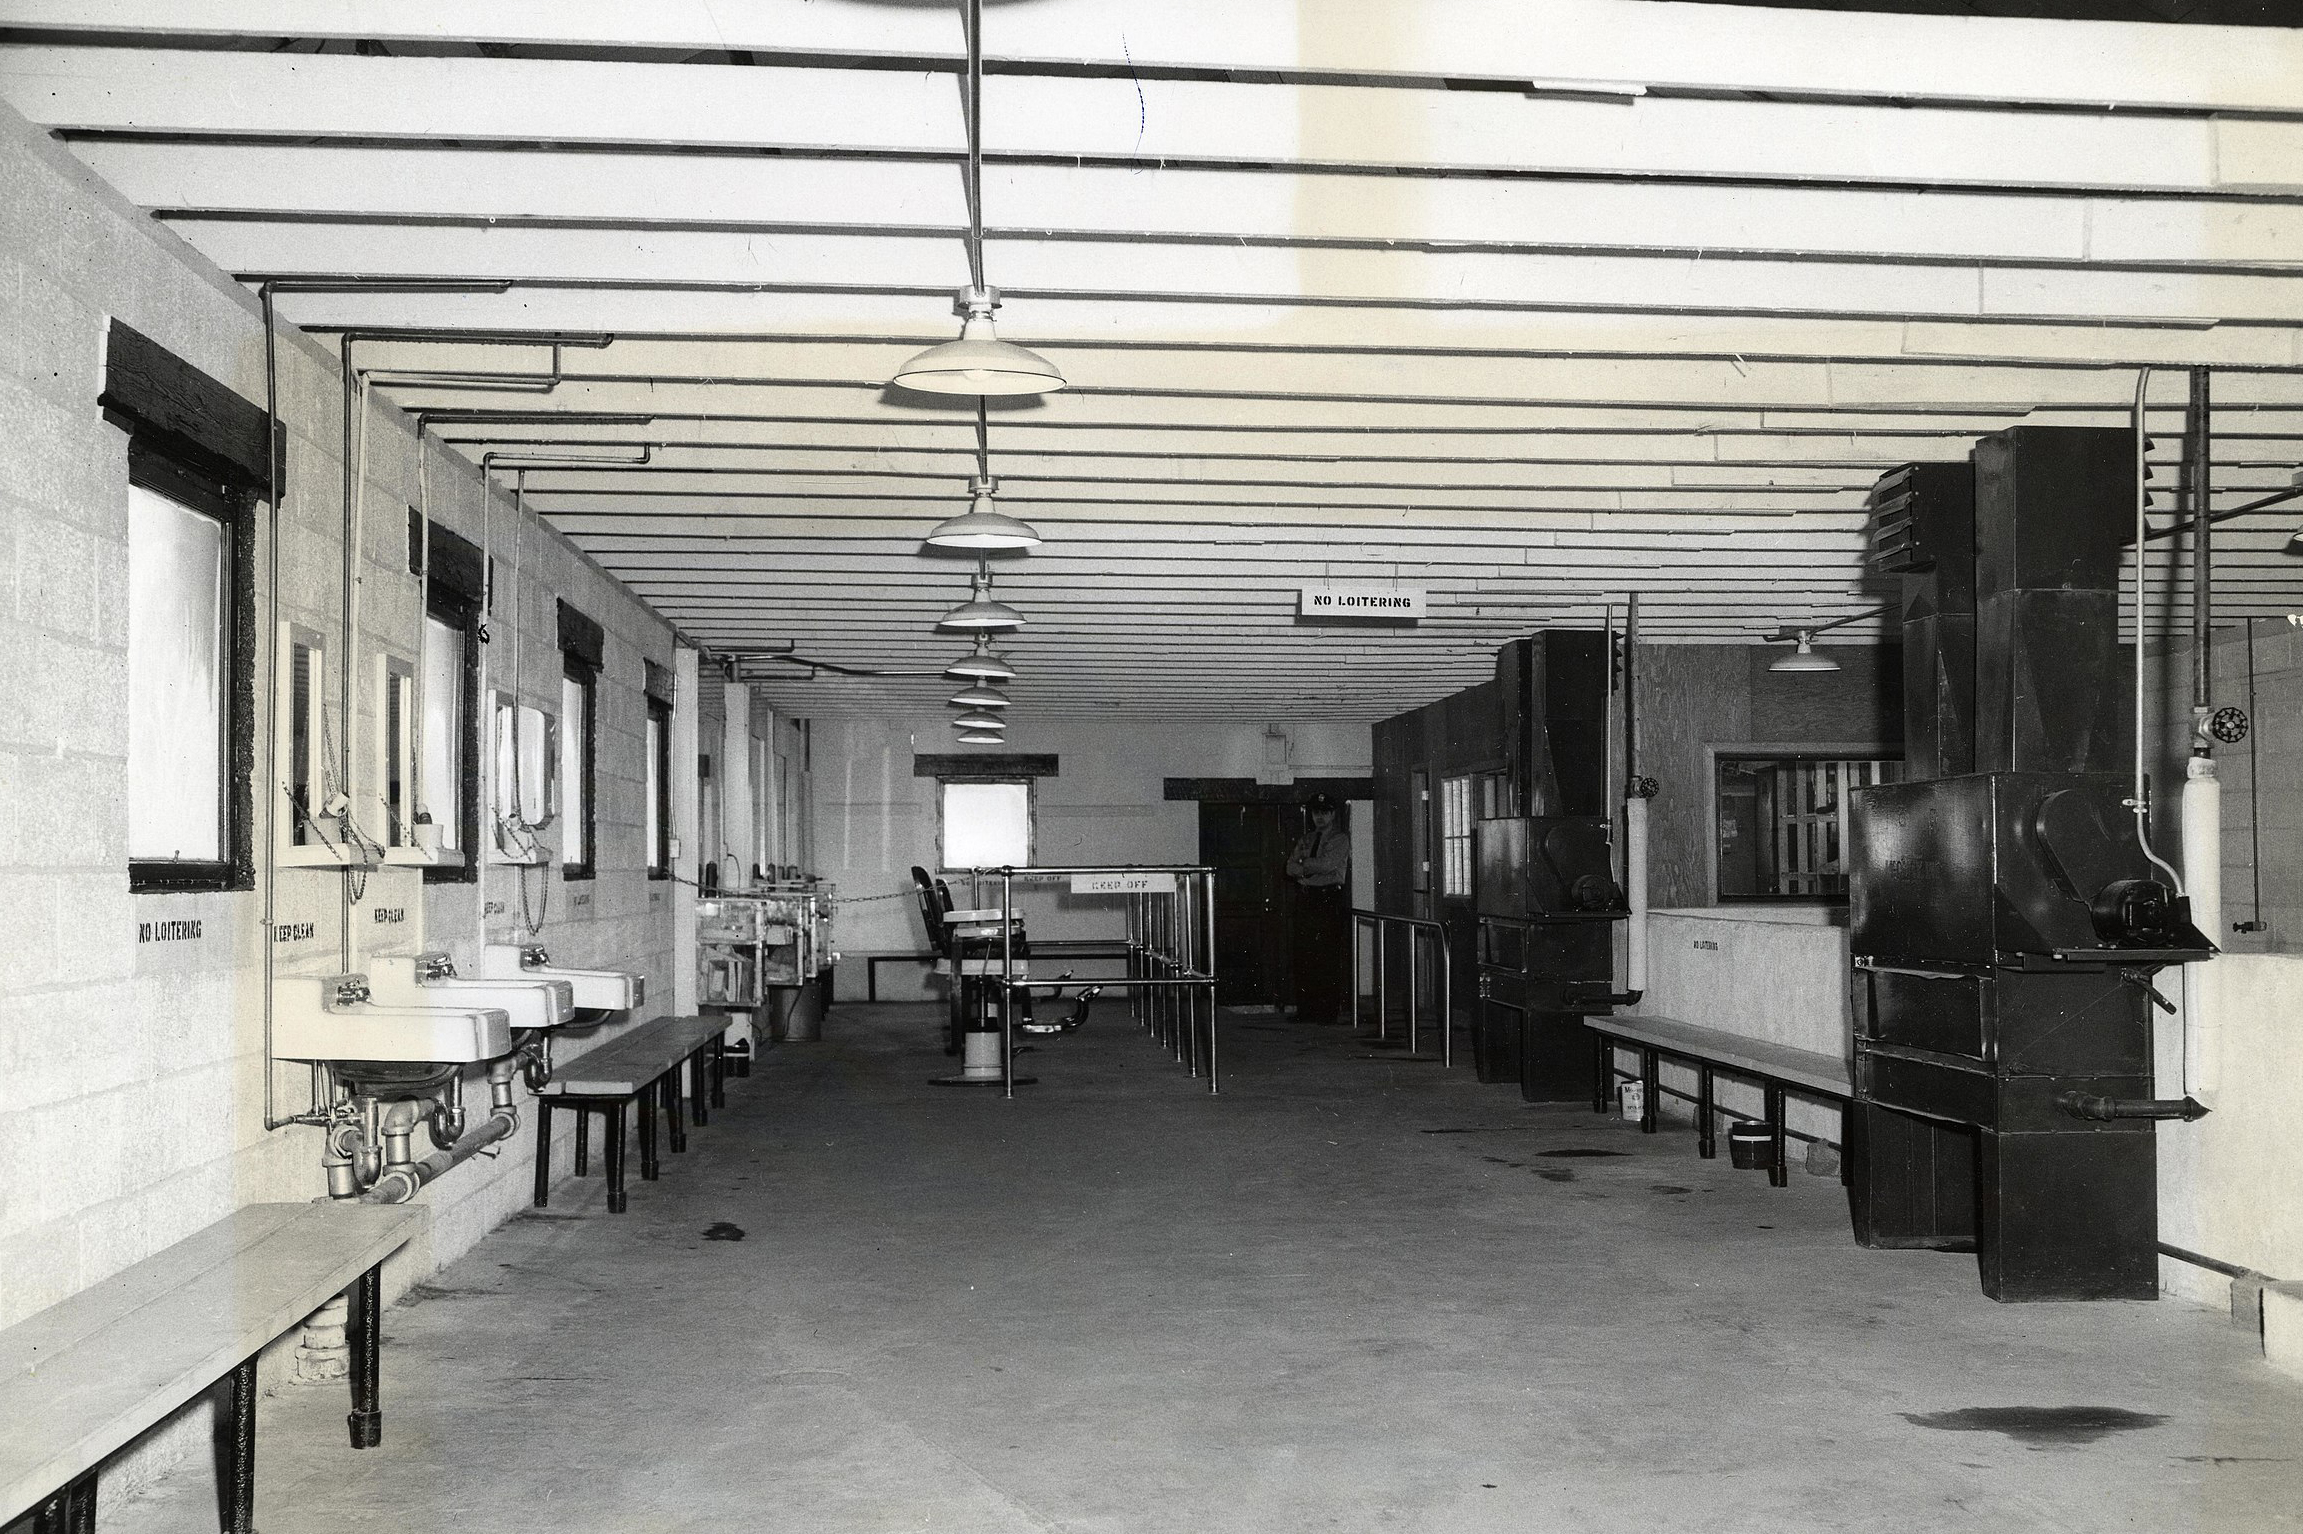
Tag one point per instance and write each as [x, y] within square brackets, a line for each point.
[597, 990]
[429, 980]
[336, 1019]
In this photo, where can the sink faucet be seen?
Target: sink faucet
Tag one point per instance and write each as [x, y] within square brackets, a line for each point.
[351, 990]
[535, 957]
[435, 966]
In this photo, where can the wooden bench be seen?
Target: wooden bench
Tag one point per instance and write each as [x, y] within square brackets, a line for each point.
[87, 1376]
[643, 1066]
[1776, 1067]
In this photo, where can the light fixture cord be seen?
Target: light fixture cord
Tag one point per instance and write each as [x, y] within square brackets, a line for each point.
[983, 440]
[975, 116]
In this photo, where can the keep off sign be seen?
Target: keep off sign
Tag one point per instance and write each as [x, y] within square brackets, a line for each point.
[1123, 884]
[1361, 602]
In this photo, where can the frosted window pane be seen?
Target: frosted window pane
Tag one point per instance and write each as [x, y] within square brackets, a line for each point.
[987, 825]
[572, 751]
[443, 716]
[176, 676]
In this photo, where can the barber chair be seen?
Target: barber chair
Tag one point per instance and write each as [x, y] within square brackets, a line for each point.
[973, 1025]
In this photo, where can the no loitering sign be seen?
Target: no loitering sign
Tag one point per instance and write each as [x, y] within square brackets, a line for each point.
[1394, 602]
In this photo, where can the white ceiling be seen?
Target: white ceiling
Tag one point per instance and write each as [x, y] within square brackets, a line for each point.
[1421, 294]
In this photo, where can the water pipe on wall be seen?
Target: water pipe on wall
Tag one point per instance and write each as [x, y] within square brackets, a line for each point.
[1637, 791]
[2202, 805]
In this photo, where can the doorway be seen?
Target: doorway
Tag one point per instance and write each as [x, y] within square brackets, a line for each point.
[1247, 846]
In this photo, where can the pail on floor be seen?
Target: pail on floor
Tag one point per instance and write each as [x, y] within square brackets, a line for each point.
[1631, 1100]
[1750, 1146]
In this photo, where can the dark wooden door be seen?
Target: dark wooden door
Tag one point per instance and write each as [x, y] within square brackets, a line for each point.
[1247, 846]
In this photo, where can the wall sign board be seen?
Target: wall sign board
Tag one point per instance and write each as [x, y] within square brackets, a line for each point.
[1393, 602]
[1123, 884]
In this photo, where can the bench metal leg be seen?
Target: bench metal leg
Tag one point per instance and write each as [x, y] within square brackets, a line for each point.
[1706, 1113]
[615, 1151]
[648, 1166]
[719, 1066]
[367, 1336]
[669, 1084]
[1778, 1170]
[543, 1151]
[583, 1142]
[236, 1485]
[1649, 1091]
[69, 1509]
[1602, 1071]
[699, 1090]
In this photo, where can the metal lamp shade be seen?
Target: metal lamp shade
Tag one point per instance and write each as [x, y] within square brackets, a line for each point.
[1805, 659]
[979, 719]
[980, 527]
[981, 665]
[982, 613]
[979, 362]
[981, 738]
[979, 697]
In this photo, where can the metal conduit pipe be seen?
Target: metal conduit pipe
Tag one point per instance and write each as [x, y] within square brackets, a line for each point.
[2202, 804]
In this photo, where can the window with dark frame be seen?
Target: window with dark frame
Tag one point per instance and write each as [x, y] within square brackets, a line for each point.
[200, 459]
[189, 661]
[448, 768]
[1781, 822]
[659, 800]
[581, 652]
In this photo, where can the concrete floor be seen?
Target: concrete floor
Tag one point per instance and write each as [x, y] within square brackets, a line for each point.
[1346, 1294]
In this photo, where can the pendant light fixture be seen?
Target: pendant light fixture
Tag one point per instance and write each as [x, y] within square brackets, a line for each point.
[980, 612]
[979, 696]
[982, 526]
[981, 664]
[979, 362]
[979, 719]
[1805, 658]
[982, 738]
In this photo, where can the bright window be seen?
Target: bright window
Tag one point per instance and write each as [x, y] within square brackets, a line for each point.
[179, 664]
[577, 690]
[987, 825]
[444, 784]
[1455, 837]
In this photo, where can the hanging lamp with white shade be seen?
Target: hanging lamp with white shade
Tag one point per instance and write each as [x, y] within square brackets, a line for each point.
[982, 664]
[979, 719]
[1805, 658]
[980, 612]
[981, 738]
[979, 362]
[983, 527]
[979, 696]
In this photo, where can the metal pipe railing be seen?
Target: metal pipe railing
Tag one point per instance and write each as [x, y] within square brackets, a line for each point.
[1417, 928]
[1170, 959]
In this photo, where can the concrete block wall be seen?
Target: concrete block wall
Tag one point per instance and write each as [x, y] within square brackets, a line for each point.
[133, 1075]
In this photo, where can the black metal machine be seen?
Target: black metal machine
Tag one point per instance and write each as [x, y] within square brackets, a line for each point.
[1544, 874]
[2005, 920]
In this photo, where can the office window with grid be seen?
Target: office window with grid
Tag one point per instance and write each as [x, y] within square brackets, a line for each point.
[1455, 837]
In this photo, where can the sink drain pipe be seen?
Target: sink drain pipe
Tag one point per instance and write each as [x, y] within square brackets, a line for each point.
[398, 1184]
